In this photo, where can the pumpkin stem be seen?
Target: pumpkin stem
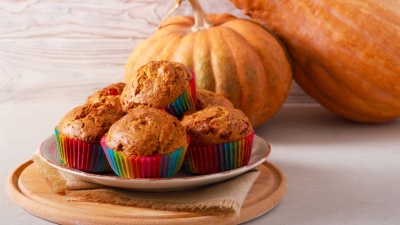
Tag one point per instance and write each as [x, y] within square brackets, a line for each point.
[200, 20]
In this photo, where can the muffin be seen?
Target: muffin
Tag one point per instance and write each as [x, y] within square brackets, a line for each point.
[146, 143]
[108, 95]
[79, 132]
[207, 98]
[221, 139]
[161, 84]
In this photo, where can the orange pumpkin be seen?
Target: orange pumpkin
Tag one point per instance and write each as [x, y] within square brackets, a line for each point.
[345, 52]
[233, 57]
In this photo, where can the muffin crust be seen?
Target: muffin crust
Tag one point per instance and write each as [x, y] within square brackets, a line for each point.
[216, 125]
[146, 131]
[89, 122]
[108, 95]
[207, 98]
[156, 84]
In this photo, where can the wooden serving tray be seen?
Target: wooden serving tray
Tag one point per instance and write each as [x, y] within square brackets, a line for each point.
[27, 188]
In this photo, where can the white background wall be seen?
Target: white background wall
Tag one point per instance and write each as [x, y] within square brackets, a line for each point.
[67, 49]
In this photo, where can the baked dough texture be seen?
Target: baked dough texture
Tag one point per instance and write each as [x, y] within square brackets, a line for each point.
[89, 122]
[156, 84]
[108, 95]
[207, 98]
[216, 125]
[146, 131]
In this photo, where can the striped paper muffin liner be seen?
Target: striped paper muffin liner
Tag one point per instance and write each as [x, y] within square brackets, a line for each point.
[81, 155]
[218, 158]
[157, 166]
[186, 101]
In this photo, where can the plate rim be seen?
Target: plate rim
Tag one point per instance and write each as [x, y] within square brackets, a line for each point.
[114, 178]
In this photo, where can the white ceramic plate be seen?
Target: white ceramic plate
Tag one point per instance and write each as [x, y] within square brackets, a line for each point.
[180, 181]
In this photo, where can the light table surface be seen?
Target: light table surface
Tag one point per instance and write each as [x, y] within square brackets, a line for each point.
[338, 172]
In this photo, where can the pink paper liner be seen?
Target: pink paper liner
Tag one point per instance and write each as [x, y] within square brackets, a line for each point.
[186, 101]
[218, 158]
[157, 166]
[81, 155]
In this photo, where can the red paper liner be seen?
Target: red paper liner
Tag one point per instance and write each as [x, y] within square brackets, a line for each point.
[81, 155]
[218, 158]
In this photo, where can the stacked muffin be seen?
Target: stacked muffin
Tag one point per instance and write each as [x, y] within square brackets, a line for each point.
[150, 142]
[146, 143]
[154, 124]
[221, 136]
[79, 132]
[207, 98]
[169, 86]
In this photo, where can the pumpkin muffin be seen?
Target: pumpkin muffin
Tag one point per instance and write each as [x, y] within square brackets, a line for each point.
[161, 84]
[146, 143]
[79, 132]
[207, 98]
[221, 139]
[108, 95]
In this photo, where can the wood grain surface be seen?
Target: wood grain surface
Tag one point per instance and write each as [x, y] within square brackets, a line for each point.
[64, 50]
[27, 188]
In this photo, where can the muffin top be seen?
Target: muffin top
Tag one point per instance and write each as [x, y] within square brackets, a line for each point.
[216, 125]
[89, 122]
[207, 98]
[146, 131]
[108, 95]
[157, 84]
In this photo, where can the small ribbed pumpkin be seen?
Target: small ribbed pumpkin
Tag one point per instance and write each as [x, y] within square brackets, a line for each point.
[233, 57]
[345, 52]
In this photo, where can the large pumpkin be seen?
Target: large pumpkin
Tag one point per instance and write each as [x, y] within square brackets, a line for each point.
[345, 52]
[234, 57]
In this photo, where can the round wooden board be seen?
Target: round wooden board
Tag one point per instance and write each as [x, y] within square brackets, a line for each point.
[27, 188]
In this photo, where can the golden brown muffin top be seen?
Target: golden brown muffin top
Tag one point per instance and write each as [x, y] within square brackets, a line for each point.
[207, 98]
[89, 122]
[92, 120]
[146, 131]
[108, 95]
[216, 125]
[157, 84]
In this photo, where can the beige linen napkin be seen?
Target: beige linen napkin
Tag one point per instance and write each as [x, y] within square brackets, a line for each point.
[223, 198]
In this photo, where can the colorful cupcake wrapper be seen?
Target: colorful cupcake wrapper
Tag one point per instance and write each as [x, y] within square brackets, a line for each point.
[157, 166]
[186, 101]
[218, 158]
[81, 155]
[192, 85]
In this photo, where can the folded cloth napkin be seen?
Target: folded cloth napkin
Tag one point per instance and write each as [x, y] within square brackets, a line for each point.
[224, 198]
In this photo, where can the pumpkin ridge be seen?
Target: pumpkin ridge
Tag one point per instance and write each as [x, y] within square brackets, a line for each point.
[304, 80]
[184, 51]
[349, 80]
[242, 80]
[251, 88]
[328, 100]
[255, 45]
[207, 81]
[167, 45]
[359, 42]
[344, 90]
[224, 66]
